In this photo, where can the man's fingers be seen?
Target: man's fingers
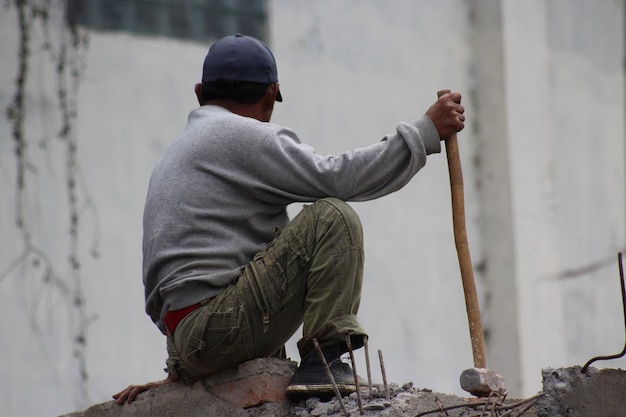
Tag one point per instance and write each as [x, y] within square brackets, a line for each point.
[128, 394]
[119, 394]
[447, 114]
[454, 96]
[131, 392]
[134, 392]
[120, 397]
[457, 112]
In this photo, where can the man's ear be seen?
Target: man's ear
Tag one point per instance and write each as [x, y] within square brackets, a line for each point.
[269, 98]
[198, 90]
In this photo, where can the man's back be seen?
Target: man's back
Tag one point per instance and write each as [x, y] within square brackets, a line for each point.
[206, 212]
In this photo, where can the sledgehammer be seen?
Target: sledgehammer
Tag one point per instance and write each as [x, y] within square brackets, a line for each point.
[479, 380]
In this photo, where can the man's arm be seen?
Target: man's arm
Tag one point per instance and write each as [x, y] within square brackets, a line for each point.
[129, 393]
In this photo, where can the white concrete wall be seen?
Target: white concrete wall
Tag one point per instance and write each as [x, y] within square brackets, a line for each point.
[548, 87]
[563, 64]
[543, 157]
[134, 99]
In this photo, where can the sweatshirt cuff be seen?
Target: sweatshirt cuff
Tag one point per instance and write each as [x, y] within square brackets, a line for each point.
[428, 132]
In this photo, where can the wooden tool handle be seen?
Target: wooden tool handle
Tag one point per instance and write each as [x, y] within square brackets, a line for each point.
[462, 249]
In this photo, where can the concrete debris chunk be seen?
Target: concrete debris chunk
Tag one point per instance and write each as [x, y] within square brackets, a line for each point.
[569, 392]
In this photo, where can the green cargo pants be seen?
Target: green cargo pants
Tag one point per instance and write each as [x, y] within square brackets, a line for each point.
[310, 274]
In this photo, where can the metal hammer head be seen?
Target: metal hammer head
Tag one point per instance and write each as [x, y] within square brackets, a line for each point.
[482, 382]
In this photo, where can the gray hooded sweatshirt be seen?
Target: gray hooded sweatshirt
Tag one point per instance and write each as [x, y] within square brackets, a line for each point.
[220, 190]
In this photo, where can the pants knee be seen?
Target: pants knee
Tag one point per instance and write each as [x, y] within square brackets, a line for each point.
[347, 213]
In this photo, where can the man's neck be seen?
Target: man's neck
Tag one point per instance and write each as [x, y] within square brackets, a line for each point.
[247, 110]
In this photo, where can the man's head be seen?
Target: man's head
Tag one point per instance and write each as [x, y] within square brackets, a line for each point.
[240, 69]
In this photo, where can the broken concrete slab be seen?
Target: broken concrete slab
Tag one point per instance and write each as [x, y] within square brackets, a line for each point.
[569, 392]
[257, 389]
[258, 383]
[405, 400]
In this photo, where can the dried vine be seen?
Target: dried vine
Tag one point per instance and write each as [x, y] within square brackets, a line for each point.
[67, 58]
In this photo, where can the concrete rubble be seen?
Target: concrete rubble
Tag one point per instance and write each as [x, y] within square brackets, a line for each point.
[257, 389]
[569, 392]
[257, 385]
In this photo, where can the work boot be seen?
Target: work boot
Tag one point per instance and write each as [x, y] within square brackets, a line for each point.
[311, 379]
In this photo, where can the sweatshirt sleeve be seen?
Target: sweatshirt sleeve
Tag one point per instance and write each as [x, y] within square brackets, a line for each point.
[289, 171]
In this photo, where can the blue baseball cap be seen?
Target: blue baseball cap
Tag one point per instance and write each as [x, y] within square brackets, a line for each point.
[240, 58]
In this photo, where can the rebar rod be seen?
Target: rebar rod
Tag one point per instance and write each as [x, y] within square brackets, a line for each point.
[331, 377]
[356, 377]
[382, 370]
[367, 365]
[623, 352]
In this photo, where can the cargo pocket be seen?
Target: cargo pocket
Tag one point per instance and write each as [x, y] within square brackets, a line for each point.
[215, 339]
[283, 260]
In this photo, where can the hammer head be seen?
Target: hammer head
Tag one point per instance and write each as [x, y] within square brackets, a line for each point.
[482, 382]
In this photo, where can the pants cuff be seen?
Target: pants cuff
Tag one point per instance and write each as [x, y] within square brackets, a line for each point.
[333, 334]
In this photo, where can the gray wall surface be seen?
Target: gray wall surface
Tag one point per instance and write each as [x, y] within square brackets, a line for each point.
[543, 157]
